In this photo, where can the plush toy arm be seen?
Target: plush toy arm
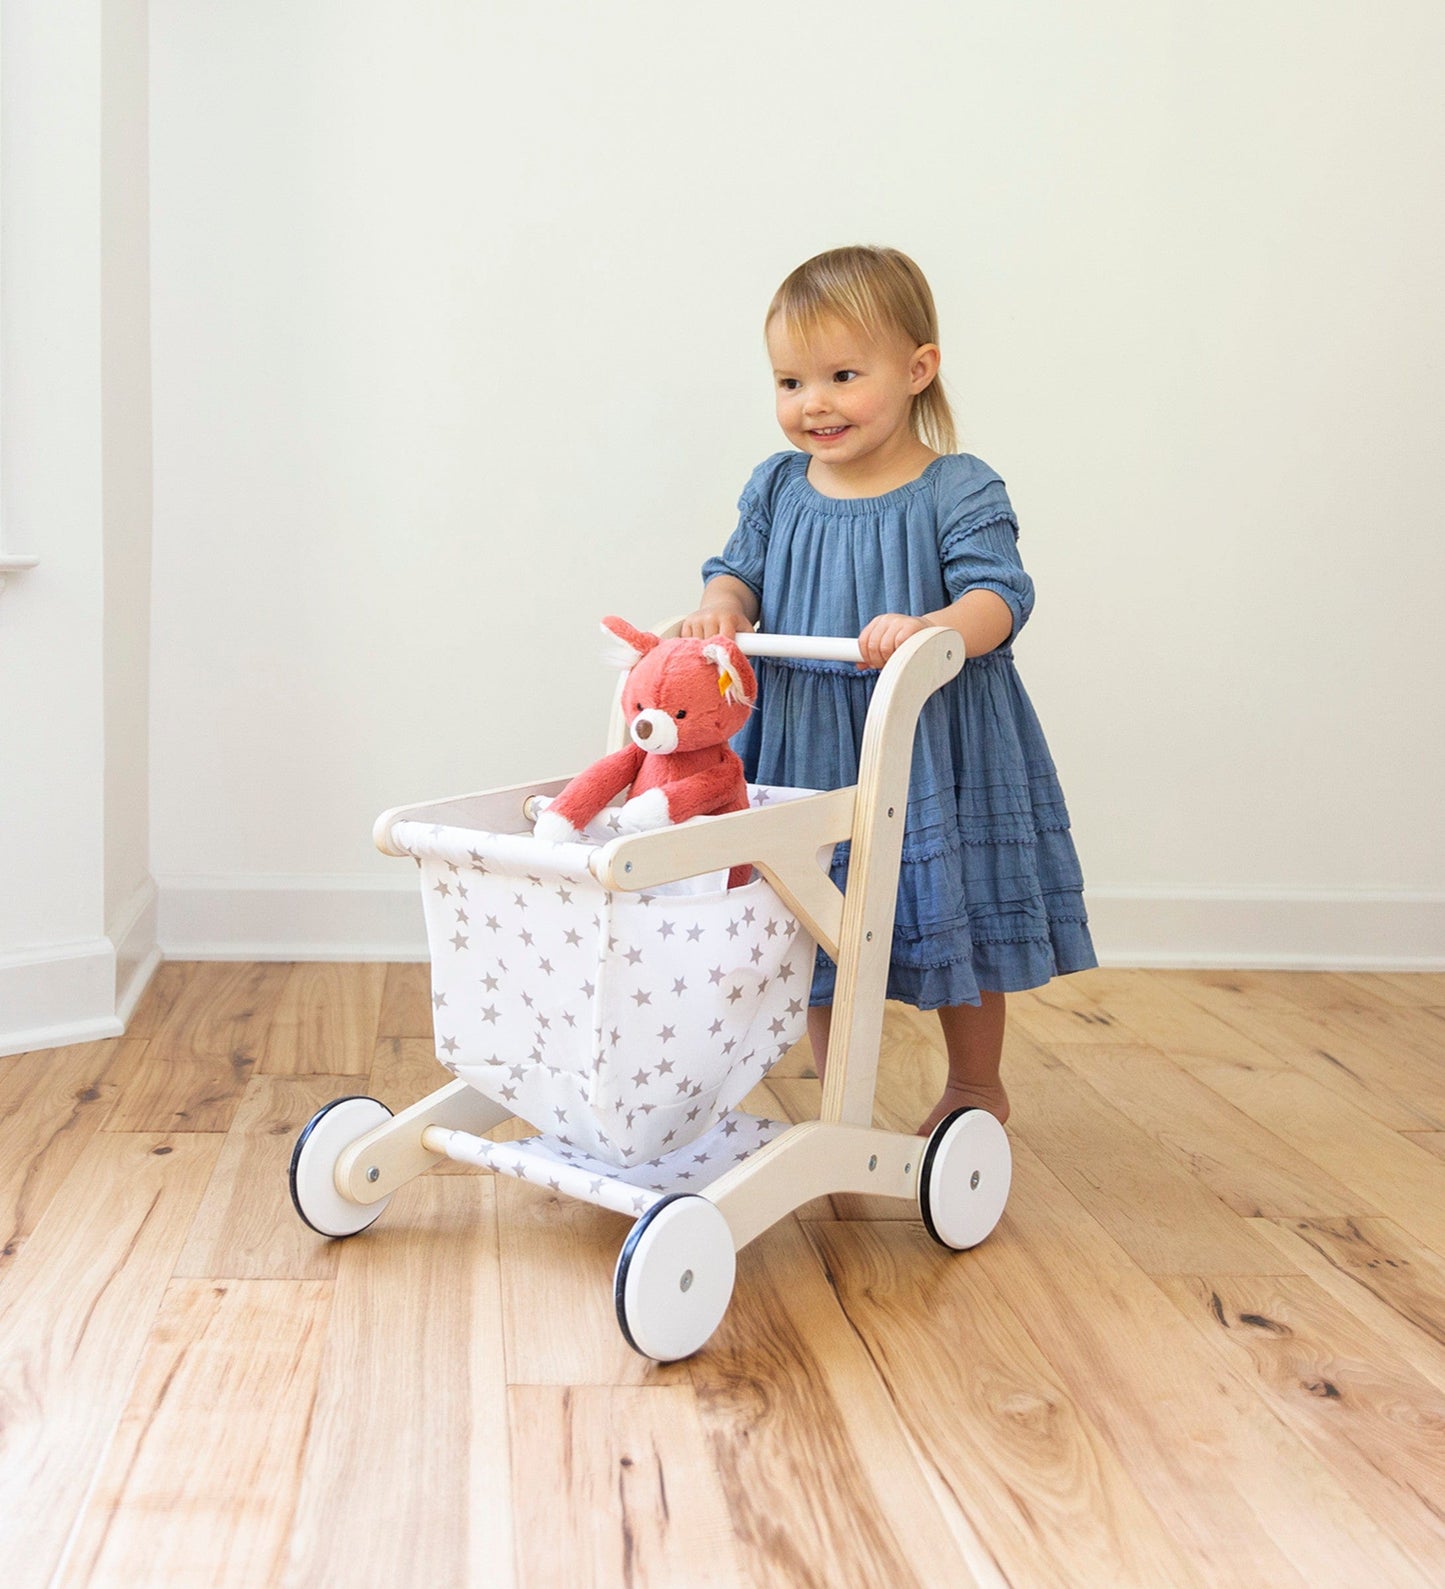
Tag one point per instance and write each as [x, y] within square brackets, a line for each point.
[590, 790]
[717, 788]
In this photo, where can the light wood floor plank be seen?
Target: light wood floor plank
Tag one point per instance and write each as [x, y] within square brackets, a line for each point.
[246, 1227]
[406, 1478]
[1430, 1141]
[1399, 1178]
[325, 1022]
[1227, 993]
[1150, 1006]
[1074, 1009]
[1042, 1486]
[51, 1104]
[199, 1485]
[558, 1260]
[78, 1304]
[165, 1089]
[1229, 1482]
[1413, 1034]
[1410, 989]
[219, 1008]
[821, 1483]
[1364, 1413]
[176, 1347]
[404, 1069]
[1157, 1211]
[643, 1503]
[1312, 991]
[1362, 1059]
[1248, 1168]
[1393, 1285]
[406, 1002]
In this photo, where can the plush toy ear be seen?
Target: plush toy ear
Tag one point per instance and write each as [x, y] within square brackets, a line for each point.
[736, 681]
[629, 645]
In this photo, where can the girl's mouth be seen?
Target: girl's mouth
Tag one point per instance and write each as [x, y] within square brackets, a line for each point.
[831, 433]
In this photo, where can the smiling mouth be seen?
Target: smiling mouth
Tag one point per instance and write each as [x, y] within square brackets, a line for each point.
[829, 432]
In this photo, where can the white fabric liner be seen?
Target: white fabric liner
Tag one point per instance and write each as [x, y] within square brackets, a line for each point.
[545, 1161]
[623, 1026]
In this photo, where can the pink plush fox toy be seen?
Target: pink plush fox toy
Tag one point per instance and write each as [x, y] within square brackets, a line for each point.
[683, 700]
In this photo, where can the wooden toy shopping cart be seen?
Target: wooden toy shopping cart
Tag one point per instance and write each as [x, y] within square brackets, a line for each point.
[620, 999]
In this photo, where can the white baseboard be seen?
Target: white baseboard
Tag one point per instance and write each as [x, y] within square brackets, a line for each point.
[1300, 930]
[137, 953]
[60, 994]
[292, 918]
[84, 992]
[80, 992]
[348, 918]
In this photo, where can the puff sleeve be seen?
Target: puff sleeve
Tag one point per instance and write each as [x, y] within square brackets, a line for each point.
[978, 538]
[746, 552]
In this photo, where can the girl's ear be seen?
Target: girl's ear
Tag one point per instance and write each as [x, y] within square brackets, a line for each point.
[923, 367]
[628, 645]
[736, 680]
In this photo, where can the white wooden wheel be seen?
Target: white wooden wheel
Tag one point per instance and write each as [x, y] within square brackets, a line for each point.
[963, 1183]
[324, 1138]
[674, 1277]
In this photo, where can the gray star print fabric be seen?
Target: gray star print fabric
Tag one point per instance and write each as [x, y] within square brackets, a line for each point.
[622, 1026]
[544, 1161]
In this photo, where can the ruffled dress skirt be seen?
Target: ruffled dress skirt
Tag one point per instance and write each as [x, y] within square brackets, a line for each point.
[990, 894]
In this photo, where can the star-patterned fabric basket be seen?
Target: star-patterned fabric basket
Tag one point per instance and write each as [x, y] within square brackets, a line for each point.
[623, 1026]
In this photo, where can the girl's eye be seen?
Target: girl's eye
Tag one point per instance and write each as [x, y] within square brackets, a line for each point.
[788, 384]
[845, 375]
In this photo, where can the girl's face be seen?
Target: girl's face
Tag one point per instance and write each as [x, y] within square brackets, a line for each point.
[845, 397]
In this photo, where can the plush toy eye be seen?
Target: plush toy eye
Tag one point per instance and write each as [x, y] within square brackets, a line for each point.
[680, 715]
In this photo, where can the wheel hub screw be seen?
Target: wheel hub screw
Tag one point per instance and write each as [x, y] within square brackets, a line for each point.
[373, 1174]
[973, 1181]
[685, 1284]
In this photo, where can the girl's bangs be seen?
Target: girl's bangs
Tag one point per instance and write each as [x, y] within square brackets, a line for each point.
[806, 307]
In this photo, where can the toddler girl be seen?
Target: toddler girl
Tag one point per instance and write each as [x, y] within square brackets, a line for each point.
[875, 526]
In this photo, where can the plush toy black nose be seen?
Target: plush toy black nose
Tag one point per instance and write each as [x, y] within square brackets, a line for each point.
[642, 728]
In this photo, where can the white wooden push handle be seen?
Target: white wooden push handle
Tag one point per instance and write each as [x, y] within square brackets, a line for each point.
[816, 648]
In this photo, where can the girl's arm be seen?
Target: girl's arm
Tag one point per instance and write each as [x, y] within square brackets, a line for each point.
[982, 617]
[728, 605]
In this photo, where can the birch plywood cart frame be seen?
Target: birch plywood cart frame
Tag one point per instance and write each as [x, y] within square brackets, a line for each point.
[675, 1273]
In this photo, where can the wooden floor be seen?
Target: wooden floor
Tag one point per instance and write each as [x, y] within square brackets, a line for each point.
[1206, 1345]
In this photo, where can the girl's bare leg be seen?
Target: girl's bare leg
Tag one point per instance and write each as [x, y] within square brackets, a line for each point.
[973, 1035]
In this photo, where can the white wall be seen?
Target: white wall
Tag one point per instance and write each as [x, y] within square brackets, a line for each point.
[457, 347]
[76, 901]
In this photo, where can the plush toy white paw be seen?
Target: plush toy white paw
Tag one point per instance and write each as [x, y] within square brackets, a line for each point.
[644, 812]
[554, 828]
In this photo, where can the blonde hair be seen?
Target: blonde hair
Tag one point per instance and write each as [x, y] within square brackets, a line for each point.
[872, 289]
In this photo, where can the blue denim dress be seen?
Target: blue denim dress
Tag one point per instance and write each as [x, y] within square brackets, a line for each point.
[990, 896]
